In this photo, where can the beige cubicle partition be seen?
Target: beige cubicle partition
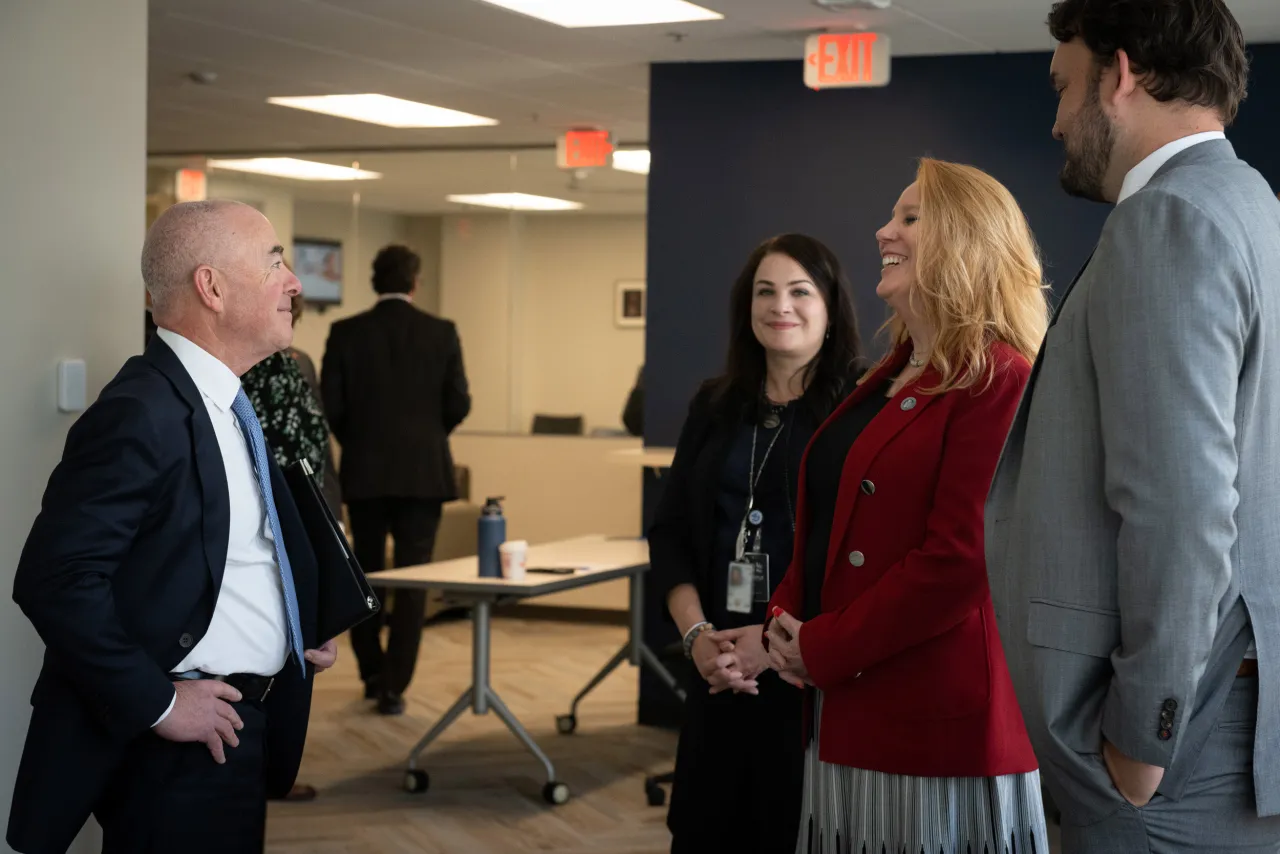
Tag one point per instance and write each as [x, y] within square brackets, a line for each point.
[558, 488]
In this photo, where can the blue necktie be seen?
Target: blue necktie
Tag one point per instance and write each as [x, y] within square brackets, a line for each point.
[252, 430]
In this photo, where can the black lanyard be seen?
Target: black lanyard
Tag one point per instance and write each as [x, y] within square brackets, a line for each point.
[753, 480]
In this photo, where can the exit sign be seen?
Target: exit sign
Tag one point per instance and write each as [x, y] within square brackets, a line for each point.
[190, 185]
[842, 60]
[584, 149]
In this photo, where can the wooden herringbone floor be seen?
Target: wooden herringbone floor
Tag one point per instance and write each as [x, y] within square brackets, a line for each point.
[485, 795]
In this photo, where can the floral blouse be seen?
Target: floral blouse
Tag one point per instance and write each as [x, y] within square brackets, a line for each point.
[291, 417]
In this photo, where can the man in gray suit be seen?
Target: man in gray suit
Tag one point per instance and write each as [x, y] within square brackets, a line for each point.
[1133, 526]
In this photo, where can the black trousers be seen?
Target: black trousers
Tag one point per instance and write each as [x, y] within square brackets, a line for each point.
[739, 771]
[169, 797]
[412, 523]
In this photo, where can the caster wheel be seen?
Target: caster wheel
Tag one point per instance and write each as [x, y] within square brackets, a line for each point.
[566, 724]
[555, 793]
[657, 797]
[416, 782]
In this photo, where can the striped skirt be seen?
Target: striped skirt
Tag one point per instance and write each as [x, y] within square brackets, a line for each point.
[855, 811]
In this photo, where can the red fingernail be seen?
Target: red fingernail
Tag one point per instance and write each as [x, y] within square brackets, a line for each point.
[777, 612]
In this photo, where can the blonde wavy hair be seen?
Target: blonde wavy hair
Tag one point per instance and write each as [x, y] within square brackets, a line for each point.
[978, 275]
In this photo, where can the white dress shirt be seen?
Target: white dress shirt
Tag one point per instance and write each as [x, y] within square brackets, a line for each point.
[1140, 175]
[248, 632]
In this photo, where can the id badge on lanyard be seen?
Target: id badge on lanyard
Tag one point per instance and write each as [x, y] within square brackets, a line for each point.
[748, 583]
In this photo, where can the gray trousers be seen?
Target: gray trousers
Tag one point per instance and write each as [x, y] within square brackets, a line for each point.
[1216, 813]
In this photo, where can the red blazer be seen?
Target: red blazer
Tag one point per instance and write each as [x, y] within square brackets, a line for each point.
[905, 650]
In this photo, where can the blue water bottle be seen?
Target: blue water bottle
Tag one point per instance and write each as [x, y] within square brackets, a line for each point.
[492, 532]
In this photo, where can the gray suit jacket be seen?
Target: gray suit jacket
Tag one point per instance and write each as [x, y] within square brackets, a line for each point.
[1133, 525]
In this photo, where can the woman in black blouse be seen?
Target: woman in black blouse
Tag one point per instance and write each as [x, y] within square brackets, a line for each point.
[722, 538]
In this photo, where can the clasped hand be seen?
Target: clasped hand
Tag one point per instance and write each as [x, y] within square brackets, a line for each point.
[784, 649]
[731, 659]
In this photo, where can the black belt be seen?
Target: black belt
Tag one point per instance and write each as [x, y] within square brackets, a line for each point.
[252, 688]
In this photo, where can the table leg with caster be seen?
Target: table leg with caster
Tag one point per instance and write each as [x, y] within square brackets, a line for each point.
[640, 652]
[415, 779]
[553, 792]
[656, 665]
[635, 651]
[481, 698]
[566, 724]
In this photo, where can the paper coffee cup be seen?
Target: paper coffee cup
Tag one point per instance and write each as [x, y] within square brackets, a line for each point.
[512, 556]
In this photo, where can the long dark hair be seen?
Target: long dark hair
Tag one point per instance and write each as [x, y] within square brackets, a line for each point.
[830, 375]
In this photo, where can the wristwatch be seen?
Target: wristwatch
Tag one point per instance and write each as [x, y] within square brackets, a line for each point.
[692, 635]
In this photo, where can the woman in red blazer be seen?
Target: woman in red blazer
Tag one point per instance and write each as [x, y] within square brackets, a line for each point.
[884, 611]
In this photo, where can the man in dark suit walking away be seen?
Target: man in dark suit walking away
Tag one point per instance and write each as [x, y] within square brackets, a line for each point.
[169, 574]
[394, 388]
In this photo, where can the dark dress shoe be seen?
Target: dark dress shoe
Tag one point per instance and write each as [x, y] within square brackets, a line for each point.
[371, 690]
[391, 704]
[301, 792]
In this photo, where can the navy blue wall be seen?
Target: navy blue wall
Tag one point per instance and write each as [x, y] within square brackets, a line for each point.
[742, 151]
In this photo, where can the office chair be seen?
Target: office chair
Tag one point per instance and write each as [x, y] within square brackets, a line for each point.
[558, 425]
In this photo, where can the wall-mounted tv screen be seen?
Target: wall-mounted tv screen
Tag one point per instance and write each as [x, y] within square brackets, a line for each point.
[318, 265]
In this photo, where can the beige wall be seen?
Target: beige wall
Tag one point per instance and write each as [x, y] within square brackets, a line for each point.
[579, 360]
[422, 235]
[72, 165]
[533, 297]
[556, 488]
[476, 294]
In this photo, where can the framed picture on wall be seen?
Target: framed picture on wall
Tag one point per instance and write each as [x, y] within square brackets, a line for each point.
[629, 305]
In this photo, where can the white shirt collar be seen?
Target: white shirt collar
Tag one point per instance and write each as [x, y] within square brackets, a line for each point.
[214, 379]
[404, 297]
[1140, 175]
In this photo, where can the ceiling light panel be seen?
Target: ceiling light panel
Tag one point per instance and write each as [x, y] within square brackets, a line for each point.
[299, 170]
[608, 13]
[515, 202]
[632, 160]
[384, 110]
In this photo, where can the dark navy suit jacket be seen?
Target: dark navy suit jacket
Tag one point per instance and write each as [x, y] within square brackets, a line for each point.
[119, 576]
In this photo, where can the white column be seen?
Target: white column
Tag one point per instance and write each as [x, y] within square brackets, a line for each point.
[72, 208]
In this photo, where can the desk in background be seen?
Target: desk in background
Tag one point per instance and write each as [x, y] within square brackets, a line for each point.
[648, 457]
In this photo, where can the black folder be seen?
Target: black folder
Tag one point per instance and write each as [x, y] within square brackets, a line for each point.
[345, 599]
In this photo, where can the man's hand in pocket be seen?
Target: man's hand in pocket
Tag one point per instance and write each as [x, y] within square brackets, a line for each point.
[1136, 781]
